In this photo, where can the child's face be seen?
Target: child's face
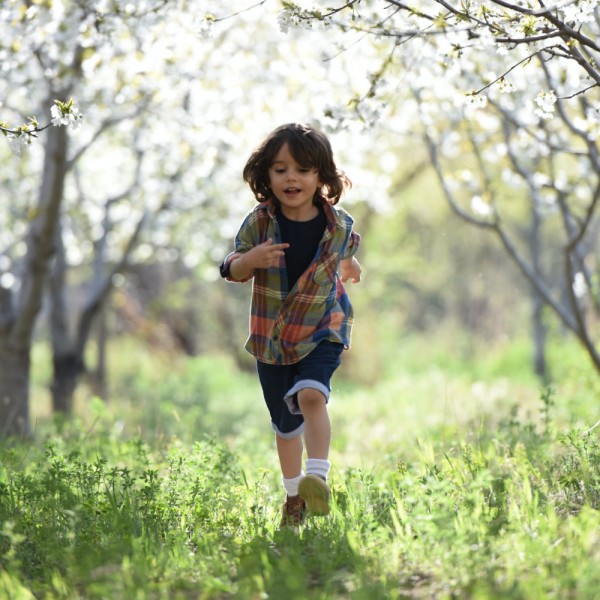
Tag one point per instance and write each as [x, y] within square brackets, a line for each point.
[293, 185]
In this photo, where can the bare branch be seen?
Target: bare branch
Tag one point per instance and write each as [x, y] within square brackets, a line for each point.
[240, 12]
[568, 32]
[105, 126]
[582, 329]
[95, 301]
[593, 72]
[587, 220]
[591, 144]
[24, 131]
[536, 134]
[435, 161]
[524, 60]
[495, 225]
[534, 12]
[101, 291]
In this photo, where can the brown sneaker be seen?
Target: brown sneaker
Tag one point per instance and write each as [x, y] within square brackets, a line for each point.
[315, 492]
[293, 512]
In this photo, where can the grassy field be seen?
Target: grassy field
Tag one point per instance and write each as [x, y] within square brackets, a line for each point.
[450, 480]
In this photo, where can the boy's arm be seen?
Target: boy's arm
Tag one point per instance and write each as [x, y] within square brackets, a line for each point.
[263, 256]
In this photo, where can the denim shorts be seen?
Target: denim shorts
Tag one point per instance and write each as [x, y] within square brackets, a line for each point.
[281, 384]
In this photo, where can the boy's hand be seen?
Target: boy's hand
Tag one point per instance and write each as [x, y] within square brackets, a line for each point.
[350, 269]
[265, 255]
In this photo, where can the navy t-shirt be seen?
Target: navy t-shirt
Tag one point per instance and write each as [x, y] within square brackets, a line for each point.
[303, 238]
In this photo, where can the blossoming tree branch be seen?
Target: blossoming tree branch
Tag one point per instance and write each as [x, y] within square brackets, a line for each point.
[63, 114]
[506, 98]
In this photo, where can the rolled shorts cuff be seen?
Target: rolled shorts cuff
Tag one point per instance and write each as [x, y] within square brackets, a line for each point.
[302, 385]
[290, 434]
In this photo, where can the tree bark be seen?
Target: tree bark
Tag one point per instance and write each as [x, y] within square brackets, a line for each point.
[16, 330]
[14, 390]
[67, 368]
[97, 377]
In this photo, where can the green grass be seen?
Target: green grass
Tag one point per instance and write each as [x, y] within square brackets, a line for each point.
[445, 484]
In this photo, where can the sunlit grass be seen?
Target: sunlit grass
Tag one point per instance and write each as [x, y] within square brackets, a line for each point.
[447, 482]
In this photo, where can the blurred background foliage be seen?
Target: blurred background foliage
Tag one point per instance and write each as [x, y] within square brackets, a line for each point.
[153, 196]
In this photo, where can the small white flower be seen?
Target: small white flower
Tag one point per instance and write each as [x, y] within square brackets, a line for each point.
[502, 50]
[476, 100]
[545, 102]
[17, 142]
[289, 18]
[580, 12]
[505, 86]
[206, 28]
[61, 117]
[286, 19]
[57, 117]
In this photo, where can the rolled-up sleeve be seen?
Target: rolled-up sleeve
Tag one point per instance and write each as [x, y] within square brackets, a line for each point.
[245, 239]
[352, 246]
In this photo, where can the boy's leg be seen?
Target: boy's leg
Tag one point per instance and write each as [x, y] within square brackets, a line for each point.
[312, 387]
[290, 459]
[317, 427]
[317, 434]
[290, 455]
[275, 380]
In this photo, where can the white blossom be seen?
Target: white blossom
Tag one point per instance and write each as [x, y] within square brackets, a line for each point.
[580, 12]
[545, 102]
[63, 117]
[18, 141]
[289, 18]
[505, 86]
[474, 100]
[206, 28]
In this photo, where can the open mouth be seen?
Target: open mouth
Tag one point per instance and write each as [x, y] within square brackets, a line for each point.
[292, 190]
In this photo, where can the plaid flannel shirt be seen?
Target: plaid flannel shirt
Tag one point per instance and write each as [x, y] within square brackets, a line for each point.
[286, 325]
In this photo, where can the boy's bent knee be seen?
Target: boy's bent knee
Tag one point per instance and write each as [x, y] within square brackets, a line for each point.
[311, 397]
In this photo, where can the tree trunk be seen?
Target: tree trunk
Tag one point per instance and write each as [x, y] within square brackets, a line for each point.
[539, 337]
[17, 326]
[66, 362]
[538, 329]
[67, 368]
[98, 375]
[14, 390]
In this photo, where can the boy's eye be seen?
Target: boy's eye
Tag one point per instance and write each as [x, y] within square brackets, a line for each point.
[281, 170]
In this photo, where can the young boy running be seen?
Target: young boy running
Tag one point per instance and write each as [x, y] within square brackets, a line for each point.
[293, 245]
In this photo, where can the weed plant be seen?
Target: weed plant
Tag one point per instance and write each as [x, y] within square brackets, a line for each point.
[474, 503]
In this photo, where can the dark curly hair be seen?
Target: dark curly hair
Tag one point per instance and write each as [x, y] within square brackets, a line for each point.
[310, 148]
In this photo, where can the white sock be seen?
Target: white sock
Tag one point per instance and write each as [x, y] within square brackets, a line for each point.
[291, 485]
[318, 466]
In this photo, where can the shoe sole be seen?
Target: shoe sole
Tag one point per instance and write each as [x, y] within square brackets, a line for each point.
[315, 493]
